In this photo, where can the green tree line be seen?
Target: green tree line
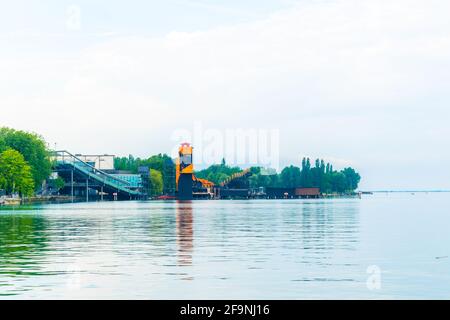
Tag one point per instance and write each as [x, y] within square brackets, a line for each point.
[322, 175]
[25, 164]
[24, 161]
[218, 172]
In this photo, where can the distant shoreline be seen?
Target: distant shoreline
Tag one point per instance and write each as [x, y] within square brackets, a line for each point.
[410, 191]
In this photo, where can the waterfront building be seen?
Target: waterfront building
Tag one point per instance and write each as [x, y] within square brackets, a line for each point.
[104, 162]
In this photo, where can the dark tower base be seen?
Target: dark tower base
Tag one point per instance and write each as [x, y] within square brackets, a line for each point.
[185, 187]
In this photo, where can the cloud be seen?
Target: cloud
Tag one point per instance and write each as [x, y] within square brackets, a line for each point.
[324, 56]
[349, 79]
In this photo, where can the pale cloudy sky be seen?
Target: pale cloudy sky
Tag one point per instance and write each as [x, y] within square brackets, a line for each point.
[360, 82]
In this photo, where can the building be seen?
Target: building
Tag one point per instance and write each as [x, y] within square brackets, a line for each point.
[134, 180]
[103, 162]
[202, 188]
[280, 193]
[144, 172]
[307, 193]
[293, 193]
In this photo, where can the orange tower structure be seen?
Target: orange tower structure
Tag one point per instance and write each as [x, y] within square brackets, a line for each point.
[184, 172]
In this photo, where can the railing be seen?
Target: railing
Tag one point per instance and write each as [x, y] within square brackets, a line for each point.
[235, 176]
[65, 157]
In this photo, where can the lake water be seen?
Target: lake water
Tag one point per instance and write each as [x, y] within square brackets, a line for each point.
[262, 249]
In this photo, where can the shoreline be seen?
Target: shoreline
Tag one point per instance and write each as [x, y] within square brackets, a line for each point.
[67, 199]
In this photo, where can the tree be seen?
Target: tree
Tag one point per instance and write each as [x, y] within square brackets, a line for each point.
[15, 173]
[338, 182]
[264, 178]
[352, 179]
[3, 145]
[161, 162]
[322, 176]
[59, 183]
[156, 182]
[218, 172]
[290, 177]
[304, 174]
[32, 147]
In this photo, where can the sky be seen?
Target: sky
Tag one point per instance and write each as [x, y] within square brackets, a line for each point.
[359, 83]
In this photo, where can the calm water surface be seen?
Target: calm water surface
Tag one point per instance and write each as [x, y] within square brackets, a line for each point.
[295, 249]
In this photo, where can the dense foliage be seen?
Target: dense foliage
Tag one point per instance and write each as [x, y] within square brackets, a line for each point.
[33, 149]
[156, 182]
[161, 163]
[25, 164]
[58, 183]
[217, 172]
[15, 173]
[322, 176]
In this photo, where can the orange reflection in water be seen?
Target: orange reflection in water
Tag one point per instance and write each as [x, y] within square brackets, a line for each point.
[185, 232]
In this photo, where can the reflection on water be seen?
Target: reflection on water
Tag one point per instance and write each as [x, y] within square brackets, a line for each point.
[185, 232]
[68, 248]
[208, 249]
[22, 249]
